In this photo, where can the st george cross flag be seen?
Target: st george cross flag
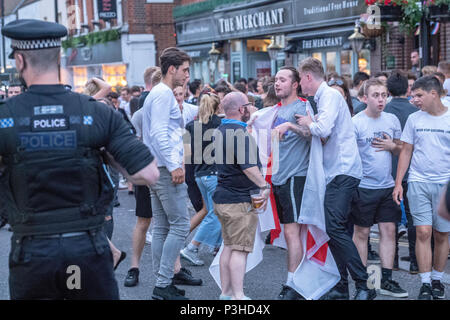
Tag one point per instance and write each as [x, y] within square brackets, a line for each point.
[317, 273]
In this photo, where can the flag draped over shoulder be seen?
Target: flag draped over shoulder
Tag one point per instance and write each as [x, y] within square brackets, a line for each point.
[317, 272]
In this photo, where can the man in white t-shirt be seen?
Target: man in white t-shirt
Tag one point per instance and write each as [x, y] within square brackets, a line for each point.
[343, 171]
[377, 135]
[426, 144]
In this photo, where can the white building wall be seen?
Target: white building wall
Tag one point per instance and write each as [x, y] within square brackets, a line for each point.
[138, 53]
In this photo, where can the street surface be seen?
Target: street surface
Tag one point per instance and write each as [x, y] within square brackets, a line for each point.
[262, 283]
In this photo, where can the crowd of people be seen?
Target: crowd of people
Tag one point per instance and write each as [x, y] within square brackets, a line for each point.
[385, 141]
[362, 129]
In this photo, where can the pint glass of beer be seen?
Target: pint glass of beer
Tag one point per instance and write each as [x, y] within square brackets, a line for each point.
[255, 194]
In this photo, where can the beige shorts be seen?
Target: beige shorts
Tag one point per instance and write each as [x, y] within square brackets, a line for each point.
[239, 222]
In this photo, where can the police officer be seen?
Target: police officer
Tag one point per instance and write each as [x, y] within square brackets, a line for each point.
[56, 188]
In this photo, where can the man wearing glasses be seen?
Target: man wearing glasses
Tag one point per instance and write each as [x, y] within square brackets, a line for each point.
[239, 174]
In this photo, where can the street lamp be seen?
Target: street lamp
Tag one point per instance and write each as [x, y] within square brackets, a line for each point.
[214, 53]
[273, 49]
[214, 57]
[357, 39]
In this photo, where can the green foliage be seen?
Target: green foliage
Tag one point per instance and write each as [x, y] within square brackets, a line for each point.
[412, 14]
[200, 7]
[91, 39]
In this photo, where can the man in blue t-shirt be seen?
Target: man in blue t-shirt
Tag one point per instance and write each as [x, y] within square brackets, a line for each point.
[238, 167]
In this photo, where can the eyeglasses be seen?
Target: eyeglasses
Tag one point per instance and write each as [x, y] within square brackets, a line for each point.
[334, 82]
[247, 105]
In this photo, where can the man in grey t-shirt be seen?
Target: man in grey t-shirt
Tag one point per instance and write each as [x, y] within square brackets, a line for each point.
[290, 170]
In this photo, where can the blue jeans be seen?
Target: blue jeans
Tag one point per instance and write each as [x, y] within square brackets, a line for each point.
[171, 225]
[209, 232]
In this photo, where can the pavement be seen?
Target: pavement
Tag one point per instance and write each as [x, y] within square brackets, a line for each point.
[262, 283]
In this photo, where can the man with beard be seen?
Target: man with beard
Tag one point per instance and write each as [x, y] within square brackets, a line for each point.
[289, 180]
[239, 174]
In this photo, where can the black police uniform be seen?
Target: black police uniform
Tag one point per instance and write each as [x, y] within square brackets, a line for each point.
[57, 191]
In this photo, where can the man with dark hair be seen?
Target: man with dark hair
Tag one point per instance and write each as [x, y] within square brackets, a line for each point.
[382, 76]
[240, 87]
[426, 150]
[397, 85]
[125, 97]
[57, 191]
[343, 172]
[358, 80]
[162, 133]
[195, 87]
[415, 63]
[289, 181]
[135, 91]
[14, 90]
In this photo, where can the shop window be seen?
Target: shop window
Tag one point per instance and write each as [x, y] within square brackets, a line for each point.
[301, 57]
[115, 75]
[364, 61]
[346, 62]
[236, 46]
[259, 45]
[331, 61]
[318, 56]
[80, 78]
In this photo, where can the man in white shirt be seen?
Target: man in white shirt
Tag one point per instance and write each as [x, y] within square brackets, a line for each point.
[343, 171]
[125, 94]
[377, 135]
[162, 133]
[189, 111]
[426, 145]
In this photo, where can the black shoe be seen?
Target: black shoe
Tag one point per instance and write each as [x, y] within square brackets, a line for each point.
[413, 268]
[335, 294]
[117, 204]
[267, 241]
[184, 277]
[425, 292]
[3, 222]
[132, 278]
[393, 289]
[437, 289]
[362, 294]
[373, 257]
[168, 293]
[123, 255]
[287, 293]
[405, 258]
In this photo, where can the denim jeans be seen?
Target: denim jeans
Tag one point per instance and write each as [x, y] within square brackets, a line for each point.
[209, 232]
[171, 223]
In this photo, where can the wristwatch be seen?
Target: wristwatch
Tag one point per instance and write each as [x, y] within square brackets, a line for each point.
[267, 186]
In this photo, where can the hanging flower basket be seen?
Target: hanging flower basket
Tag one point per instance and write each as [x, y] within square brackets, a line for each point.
[440, 12]
[372, 32]
[390, 13]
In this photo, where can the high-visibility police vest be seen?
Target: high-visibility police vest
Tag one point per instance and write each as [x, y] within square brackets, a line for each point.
[55, 181]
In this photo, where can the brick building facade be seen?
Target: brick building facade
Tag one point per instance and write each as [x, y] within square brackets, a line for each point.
[118, 49]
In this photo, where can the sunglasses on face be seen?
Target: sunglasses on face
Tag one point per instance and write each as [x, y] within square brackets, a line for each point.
[334, 82]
